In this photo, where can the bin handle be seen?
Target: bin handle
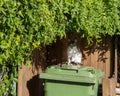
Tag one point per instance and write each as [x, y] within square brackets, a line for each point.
[69, 69]
[65, 67]
[75, 68]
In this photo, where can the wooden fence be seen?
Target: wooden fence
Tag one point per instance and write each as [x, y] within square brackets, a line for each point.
[99, 55]
[29, 83]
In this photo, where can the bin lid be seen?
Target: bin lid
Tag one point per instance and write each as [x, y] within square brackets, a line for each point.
[83, 74]
[69, 78]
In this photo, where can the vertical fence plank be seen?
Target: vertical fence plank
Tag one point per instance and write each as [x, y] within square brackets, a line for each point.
[112, 86]
[105, 87]
[86, 53]
[19, 87]
[116, 59]
[108, 87]
[94, 58]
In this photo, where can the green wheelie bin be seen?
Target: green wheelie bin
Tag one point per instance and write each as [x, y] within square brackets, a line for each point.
[68, 81]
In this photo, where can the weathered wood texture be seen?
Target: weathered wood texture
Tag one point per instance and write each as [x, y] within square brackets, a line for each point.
[109, 86]
[99, 55]
[29, 83]
[116, 70]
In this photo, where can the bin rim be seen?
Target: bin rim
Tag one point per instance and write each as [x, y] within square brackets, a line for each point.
[69, 78]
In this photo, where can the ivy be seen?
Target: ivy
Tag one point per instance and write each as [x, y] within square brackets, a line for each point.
[27, 24]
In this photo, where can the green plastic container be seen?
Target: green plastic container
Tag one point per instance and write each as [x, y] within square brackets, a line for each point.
[68, 81]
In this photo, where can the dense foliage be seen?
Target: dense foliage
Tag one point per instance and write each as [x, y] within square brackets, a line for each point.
[26, 24]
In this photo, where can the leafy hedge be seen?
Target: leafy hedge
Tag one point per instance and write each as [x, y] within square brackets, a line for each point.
[26, 24]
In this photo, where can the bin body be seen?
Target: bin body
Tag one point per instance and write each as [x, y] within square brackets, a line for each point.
[67, 81]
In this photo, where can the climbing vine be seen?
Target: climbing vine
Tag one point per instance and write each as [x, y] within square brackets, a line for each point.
[26, 24]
